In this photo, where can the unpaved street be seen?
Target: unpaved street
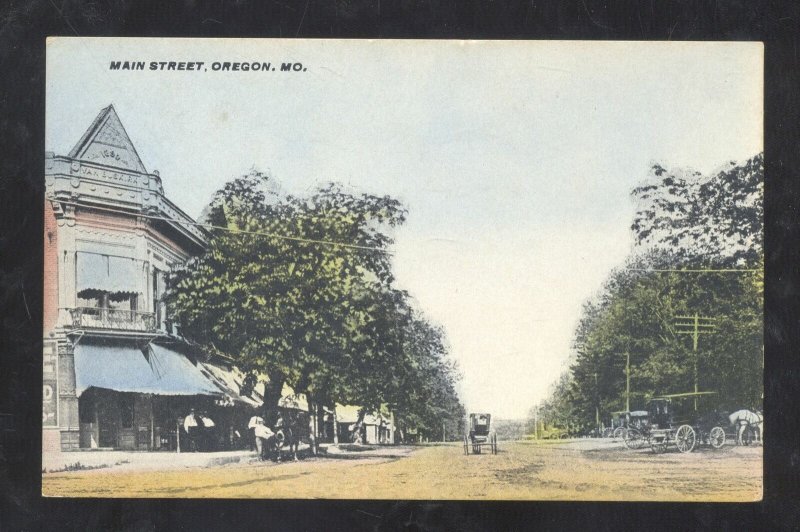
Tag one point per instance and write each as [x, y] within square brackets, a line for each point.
[571, 470]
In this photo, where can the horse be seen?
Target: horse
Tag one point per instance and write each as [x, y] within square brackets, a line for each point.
[745, 420]
[287, 434]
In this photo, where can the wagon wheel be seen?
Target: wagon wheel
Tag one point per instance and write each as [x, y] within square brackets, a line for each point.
[716, 438]
[685, 438]
[633, 439]
[619, 433]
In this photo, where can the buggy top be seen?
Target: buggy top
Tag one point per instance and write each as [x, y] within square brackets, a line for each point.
[480, 434]
[480, 424]
[664, 415]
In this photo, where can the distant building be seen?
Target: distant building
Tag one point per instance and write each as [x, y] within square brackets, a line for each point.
[116, 372]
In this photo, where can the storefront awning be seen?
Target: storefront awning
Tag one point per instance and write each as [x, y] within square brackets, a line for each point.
[106, 273]
[125, 368]
[230, 381]
[349, 414]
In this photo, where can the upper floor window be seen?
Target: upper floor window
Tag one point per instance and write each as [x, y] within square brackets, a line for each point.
[108, 293]
[105, 273]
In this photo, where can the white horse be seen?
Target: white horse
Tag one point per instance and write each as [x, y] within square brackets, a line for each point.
[742, 419]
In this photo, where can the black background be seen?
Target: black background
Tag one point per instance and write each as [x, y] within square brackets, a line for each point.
[23, 28]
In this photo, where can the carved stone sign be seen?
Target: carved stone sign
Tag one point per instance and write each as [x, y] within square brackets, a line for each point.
[109, 175]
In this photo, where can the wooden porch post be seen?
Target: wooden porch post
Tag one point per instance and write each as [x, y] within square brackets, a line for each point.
[152, 426]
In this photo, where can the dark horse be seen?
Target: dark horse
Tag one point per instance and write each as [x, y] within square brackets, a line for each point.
[287, 434]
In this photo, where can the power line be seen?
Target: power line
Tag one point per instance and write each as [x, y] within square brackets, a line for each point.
[221, 228]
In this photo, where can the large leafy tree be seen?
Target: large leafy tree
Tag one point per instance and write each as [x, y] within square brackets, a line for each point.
[298, 309]
[425, 385]
[700, 219]
[699, 251]
[301, 289]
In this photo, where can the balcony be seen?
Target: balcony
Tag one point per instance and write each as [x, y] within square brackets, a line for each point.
[117, 319]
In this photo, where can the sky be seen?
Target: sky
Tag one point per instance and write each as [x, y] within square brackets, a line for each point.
[515, 159]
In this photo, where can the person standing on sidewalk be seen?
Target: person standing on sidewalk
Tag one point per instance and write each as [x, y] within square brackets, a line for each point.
[262, 435]
[193, 425]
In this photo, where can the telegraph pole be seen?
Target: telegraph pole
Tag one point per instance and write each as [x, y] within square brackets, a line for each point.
[596, 403]
[627, 381]
[694, 325]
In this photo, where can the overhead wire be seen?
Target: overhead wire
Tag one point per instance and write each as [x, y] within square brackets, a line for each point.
[356, 246]
[697, 270]
[228, 229]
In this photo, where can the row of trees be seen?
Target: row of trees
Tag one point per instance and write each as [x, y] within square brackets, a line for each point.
[274, 295]
[705, 234]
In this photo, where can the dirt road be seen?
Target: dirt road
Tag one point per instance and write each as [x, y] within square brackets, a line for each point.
[578, 470]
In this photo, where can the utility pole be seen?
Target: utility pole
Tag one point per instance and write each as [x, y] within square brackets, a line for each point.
[596, 404]
[627, 381]
[694, 325]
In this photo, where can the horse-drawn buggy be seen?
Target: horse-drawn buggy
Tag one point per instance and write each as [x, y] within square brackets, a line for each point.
[480, 434]
[672, 420]
[627, 420]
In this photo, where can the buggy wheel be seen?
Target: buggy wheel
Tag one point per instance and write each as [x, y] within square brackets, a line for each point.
[685, 438]
[716, 437]
[633, 439]
[619, 433]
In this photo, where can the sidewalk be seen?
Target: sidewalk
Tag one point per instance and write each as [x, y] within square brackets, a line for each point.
[145, 460]
[139, 460]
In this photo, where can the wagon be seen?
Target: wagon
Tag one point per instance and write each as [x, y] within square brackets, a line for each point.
[624, 421]
[637, 429]
[672, 421]
[480, 434]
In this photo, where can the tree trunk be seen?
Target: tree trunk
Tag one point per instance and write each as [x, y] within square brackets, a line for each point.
[272, 396]
[322, 429]
[335, 427]
[354, 434]
[312, 426]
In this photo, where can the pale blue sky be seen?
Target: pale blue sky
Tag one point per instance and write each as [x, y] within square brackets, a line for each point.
[515, 159]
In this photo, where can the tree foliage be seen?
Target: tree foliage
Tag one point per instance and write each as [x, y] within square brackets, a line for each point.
[273, 294]
[684, 222]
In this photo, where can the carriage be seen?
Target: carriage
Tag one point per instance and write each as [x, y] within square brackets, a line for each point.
[672, 421]
[480, 434]
[625, 421]
[632, 428]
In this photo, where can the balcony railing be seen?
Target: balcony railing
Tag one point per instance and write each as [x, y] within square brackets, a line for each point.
[106, 318]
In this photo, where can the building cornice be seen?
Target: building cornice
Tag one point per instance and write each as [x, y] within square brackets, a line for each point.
[87, 184]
